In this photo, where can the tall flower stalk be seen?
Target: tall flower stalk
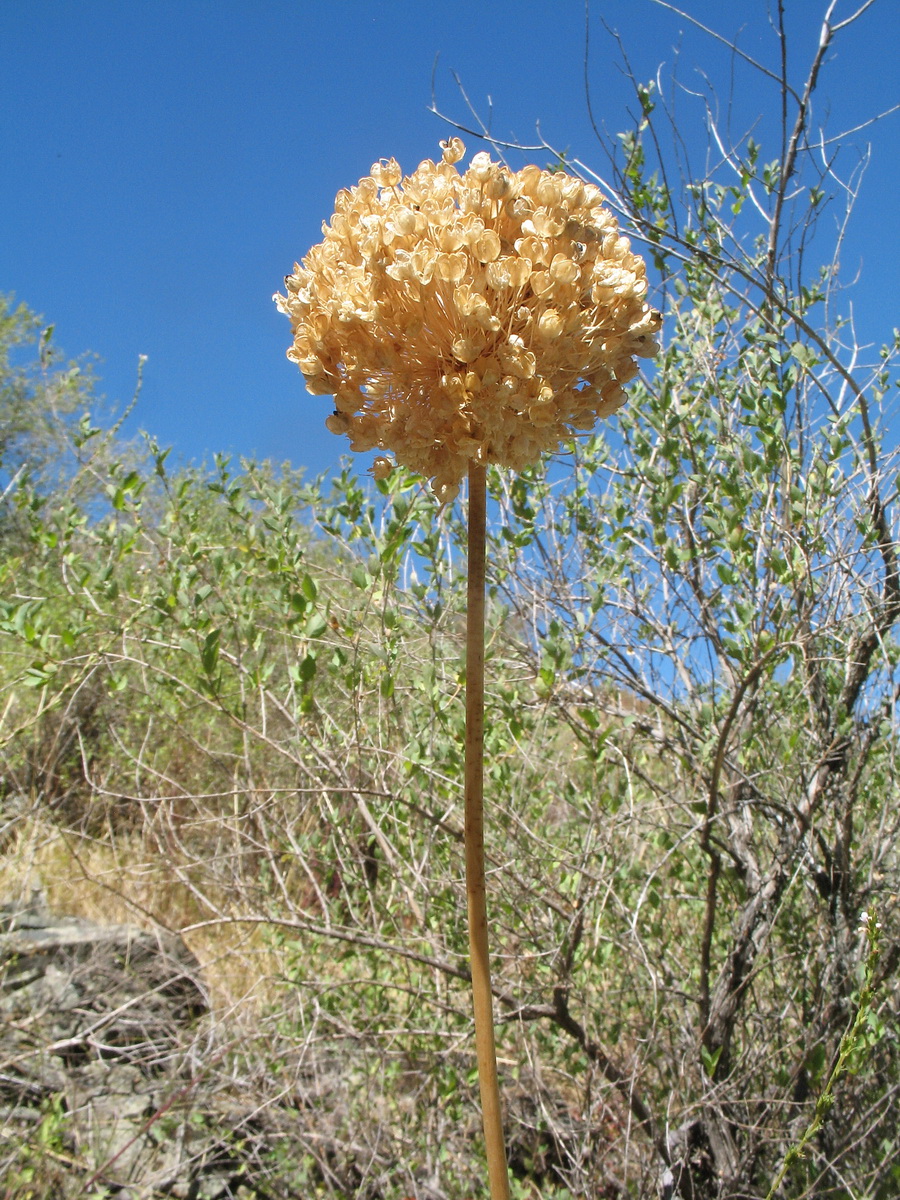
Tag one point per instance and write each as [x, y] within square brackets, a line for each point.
[460, 320]
[476, 891]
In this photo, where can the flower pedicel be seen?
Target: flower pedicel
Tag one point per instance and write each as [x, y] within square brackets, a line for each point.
[480, 317]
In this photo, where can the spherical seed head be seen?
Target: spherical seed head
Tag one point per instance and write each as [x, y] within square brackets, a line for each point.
[481, 316]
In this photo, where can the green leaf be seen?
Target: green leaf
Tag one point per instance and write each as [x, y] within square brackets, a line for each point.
[710, 1059]
[590, 717]
[315, 626]
[209, 655]
[37, 676]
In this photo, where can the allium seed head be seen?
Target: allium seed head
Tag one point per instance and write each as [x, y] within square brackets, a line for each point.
[478, 316]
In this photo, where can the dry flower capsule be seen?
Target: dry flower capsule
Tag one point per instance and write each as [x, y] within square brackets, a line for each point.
[475, 316]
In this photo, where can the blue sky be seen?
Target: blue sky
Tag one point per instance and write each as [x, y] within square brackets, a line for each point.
[164, 163]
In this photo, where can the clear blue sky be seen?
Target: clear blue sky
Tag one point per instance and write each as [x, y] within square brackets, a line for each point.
[165, 162]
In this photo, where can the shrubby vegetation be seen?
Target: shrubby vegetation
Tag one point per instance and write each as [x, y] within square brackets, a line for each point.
[232, 705]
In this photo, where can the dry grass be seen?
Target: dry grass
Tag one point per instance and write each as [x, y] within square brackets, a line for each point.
[117, 881]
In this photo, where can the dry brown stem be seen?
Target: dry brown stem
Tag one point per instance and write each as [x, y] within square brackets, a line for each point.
[475, 883]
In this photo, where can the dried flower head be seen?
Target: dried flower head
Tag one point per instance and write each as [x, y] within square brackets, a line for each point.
[477, 316]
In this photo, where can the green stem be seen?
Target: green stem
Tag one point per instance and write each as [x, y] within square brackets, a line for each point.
[847, 1048]
[475, 884]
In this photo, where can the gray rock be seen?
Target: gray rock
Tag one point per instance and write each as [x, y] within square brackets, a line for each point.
[101, 1021]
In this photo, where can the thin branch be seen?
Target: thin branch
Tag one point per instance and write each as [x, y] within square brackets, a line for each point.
[725, 42]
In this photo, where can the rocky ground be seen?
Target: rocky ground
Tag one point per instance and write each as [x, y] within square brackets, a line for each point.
[105, 1045]
[117, 1082]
